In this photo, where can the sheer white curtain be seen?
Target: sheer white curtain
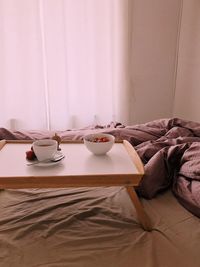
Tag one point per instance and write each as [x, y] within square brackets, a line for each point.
[64, 63]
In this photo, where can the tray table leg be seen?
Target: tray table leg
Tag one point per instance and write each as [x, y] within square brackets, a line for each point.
[142, 216]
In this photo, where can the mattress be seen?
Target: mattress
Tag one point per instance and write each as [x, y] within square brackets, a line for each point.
[94, 227]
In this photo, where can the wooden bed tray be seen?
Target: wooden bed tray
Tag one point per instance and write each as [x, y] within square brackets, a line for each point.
[119, 167]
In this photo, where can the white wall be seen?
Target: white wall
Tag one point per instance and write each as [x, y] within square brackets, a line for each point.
[187, 97]
[153, 63]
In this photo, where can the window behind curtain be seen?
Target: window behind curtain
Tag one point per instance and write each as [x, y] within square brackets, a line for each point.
[64, 63]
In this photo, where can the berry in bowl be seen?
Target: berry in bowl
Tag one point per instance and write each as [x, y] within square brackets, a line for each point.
[99, 144]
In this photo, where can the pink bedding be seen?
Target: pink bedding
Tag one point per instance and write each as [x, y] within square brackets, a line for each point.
[173, 160]
[169, 149]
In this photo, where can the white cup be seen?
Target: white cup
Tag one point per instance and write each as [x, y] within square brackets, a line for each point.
[45, 149]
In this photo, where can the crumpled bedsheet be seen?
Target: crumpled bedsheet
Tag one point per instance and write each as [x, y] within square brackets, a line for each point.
[172, 161]
[169, 149]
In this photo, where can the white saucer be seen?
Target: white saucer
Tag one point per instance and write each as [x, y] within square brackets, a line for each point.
[36, 163]
[47, 164]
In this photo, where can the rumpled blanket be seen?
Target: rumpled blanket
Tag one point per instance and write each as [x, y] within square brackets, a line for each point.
[172, 160]
[169, 149]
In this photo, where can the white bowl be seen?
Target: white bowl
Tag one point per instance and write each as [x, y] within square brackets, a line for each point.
[45, 149]
[96, 145]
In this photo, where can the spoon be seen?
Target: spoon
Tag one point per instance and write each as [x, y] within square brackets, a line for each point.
[47, 160]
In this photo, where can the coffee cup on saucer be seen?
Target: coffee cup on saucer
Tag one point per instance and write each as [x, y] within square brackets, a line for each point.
[45, 149]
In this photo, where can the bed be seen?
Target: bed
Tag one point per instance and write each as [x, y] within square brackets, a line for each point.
[80, 227]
